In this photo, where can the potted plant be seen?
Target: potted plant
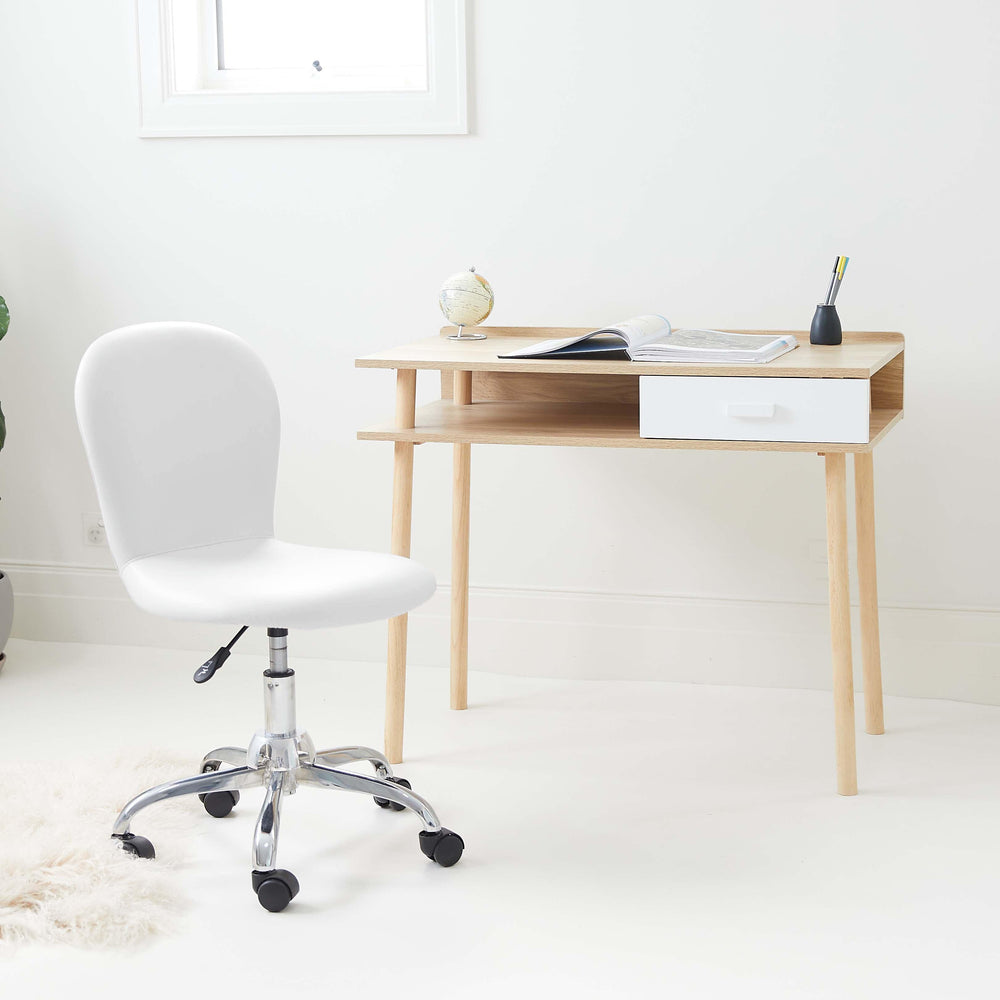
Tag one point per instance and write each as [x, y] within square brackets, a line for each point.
[6, 591]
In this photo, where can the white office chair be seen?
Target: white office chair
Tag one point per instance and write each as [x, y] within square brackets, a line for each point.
[180, 424]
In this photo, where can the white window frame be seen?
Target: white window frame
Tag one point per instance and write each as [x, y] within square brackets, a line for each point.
[169, 111]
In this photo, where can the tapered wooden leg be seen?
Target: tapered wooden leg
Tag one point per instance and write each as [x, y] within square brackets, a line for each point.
[402, 504]
[871, 661]
[461, 484]
[460, 577]
[840, 622]
[395, 690]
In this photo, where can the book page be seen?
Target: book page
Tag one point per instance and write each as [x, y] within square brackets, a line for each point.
[632, 333]
[715, 346]
[716, 340]
[640, 329]
[546, 347]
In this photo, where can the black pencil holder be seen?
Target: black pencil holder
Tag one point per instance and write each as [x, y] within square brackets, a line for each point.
[825, 327]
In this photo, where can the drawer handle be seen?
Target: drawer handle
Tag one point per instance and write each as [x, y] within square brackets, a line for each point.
[764, 410]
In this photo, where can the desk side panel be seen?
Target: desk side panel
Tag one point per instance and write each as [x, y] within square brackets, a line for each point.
[887, 385]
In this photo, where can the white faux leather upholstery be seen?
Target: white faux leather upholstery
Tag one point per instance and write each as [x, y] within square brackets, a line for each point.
[181, 428]
[265, 581]
[180, 422]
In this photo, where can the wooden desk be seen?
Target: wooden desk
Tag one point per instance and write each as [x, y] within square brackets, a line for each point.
[595, 404]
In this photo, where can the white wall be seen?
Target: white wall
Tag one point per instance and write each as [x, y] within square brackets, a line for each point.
[706, 160]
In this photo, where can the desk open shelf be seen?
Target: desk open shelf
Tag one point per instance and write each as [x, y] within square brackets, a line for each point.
[588, 425]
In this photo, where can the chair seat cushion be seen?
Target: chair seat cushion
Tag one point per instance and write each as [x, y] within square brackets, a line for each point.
[267, 582]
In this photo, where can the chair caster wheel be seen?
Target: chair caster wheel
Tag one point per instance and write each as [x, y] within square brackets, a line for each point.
[442, 846]
[385, 803]
[275, 889]
[131, 844]
[219, 804]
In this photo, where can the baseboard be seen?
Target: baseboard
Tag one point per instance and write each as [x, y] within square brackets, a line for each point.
[927, 652]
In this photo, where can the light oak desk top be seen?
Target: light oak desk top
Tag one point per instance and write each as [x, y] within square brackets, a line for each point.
[860, 356]
[595, 403]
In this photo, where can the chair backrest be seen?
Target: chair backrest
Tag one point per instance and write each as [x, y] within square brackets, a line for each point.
[181, 427]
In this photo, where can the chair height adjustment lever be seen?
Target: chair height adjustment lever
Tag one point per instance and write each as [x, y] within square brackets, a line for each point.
[207, 670]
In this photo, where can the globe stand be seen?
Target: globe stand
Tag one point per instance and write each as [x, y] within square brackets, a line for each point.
[465, 336]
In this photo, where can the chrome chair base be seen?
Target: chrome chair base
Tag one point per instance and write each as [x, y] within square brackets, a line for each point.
[279, 759]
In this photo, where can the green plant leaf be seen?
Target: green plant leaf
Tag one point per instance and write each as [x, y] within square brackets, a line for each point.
[4, 321]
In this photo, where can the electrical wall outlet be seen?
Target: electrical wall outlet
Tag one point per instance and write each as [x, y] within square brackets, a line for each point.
[93, 530]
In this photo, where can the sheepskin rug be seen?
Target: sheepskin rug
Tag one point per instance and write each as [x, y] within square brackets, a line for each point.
[63, 879]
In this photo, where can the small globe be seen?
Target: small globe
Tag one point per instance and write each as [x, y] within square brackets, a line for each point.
[466, 298]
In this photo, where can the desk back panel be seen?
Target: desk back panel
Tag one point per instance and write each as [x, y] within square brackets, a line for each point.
[548, 388]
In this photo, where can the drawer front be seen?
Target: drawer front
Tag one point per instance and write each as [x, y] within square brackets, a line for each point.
[738, 408]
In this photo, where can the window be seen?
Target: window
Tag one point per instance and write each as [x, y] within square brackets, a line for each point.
[301, 67]
[320, 45]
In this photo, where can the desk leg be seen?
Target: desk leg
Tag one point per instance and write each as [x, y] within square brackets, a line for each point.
[461, 484]
[402, 504]
[460, 577]
[871, 661]
[840, 622]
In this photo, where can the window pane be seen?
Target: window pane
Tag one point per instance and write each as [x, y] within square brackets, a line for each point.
[381, 44]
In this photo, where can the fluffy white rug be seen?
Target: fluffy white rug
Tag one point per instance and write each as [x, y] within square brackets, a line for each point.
[63, 879]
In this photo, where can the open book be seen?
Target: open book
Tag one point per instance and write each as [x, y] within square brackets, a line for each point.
[651, 338]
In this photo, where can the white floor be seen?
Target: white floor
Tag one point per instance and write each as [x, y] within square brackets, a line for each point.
[623, 840]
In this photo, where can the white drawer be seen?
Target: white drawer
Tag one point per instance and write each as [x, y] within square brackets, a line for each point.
[745, 408]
